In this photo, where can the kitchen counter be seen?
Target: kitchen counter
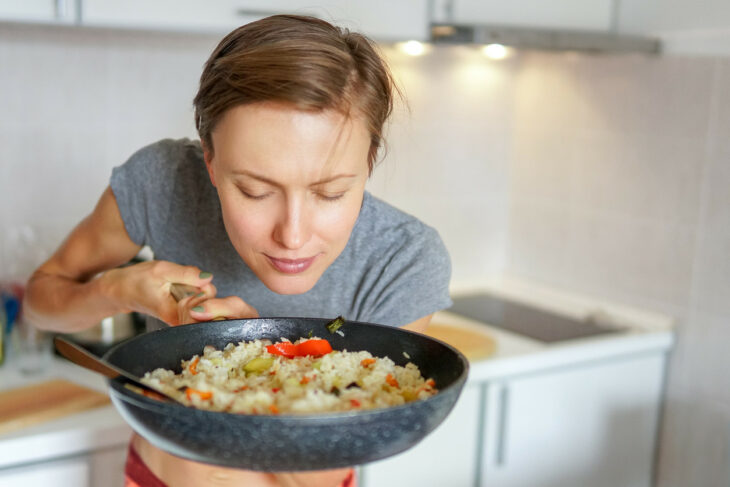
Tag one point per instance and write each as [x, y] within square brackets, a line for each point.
[641, 331]
[86, 431]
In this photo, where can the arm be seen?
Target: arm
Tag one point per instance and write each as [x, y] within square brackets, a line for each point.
[419, 325]
[80, 284]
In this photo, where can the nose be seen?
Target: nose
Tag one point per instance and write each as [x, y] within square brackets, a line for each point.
[293, 227]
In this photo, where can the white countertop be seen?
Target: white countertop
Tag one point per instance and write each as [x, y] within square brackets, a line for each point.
[70, 435]
[103, 427]
[644, 331]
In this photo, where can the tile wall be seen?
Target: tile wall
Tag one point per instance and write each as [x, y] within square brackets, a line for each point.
[619, 182]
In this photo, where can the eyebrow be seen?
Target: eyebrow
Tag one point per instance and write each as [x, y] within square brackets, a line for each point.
[274, 183]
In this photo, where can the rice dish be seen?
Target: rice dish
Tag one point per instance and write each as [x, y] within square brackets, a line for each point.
[248, 378]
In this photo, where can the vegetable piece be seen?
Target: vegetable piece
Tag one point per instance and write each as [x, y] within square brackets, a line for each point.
[316, 348]
[273, 409]
[194, 365]
[355, 403]
[202, 394]
[391, 380]
[259, 364]
[287, 349]
[409, 395]
[367, 361]
[335, 324]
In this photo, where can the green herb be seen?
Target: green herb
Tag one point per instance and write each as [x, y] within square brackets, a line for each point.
[310, 334]
[335, 324]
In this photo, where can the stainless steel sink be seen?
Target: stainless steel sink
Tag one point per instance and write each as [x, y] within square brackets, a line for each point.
[526, 320]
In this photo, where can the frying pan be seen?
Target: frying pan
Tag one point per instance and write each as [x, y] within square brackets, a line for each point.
[286, 442]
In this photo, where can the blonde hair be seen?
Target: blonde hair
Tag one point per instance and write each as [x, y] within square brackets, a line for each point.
[301, 60]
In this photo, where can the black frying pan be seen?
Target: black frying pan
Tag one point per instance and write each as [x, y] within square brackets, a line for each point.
[285, 442]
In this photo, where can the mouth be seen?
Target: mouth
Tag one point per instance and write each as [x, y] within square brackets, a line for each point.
[291, 266]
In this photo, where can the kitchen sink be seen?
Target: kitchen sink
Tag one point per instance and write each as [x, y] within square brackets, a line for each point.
[526, 320]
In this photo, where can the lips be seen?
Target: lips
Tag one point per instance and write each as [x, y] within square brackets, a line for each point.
[291, 266]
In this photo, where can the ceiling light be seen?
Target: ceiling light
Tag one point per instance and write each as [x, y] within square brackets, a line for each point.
[495, 51]
[412, 48]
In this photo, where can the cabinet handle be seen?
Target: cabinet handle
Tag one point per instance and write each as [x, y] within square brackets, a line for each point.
[501, 450]
[60, 9]
[247, 12]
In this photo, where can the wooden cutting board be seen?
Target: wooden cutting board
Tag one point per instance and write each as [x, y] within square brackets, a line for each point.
[475, 345]
[26, 406]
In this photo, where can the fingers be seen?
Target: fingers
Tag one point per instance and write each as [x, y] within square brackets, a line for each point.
[231, 307]
[182, 274]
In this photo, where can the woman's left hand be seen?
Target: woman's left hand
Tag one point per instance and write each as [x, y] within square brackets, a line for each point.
[207, 307]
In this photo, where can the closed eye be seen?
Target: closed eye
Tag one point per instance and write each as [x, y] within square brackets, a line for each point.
[330, 197]
[255, 196]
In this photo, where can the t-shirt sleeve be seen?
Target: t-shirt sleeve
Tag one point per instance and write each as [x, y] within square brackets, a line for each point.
[142, 187]
[415, 281]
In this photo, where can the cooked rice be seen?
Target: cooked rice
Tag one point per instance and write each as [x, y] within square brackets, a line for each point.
[337, 381]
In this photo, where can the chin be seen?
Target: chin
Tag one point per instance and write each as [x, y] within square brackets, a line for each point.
[290, 284]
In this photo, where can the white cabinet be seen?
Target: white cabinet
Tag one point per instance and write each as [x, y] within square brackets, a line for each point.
[557, 14]
[380, 19]
[448, 456]
[591, 425]
[43, 11]
[103, 468]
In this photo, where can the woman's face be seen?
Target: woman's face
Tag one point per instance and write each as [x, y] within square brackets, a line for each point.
[290, 184]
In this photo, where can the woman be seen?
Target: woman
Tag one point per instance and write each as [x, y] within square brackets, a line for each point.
[266, 215]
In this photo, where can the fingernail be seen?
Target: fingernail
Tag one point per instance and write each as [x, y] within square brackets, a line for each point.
[198, 309]
[205, 275]
[200, 295]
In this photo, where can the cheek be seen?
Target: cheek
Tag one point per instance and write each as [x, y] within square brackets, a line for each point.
[243, 225]
[335, 224]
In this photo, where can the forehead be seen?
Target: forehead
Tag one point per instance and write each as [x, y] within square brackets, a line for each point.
[269, 136]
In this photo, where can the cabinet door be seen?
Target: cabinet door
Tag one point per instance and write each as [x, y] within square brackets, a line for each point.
[556, 14]
[381, 19]
[56, 11]
[593, 425]
[107, 467]
[72, 472]
[448, 456]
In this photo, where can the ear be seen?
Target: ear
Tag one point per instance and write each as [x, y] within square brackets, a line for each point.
[208, 157]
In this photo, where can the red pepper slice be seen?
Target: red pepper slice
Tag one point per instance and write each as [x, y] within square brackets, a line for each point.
[287, 349]
[316, 348]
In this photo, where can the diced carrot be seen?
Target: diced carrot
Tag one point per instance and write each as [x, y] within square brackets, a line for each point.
[431, 383]
[391, 381]
[367, 361]
[194, 365]
[275, 389]
[273, 409]
[202, 394]
[242, 388]
[305, 380]
[355, 403]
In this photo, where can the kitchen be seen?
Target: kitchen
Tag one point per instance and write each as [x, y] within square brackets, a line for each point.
[600, 175]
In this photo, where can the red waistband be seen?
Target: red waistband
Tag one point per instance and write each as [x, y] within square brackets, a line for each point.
[137, 474]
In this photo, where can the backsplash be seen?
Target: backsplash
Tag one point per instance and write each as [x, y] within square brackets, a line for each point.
[606, 175]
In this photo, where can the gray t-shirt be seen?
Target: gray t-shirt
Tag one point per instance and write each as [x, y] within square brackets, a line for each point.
[393, 270]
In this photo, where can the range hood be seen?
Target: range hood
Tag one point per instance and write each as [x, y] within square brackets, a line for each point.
[539, 38]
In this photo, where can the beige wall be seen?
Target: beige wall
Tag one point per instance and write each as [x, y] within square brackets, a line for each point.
[605, 175]
[620, 178]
